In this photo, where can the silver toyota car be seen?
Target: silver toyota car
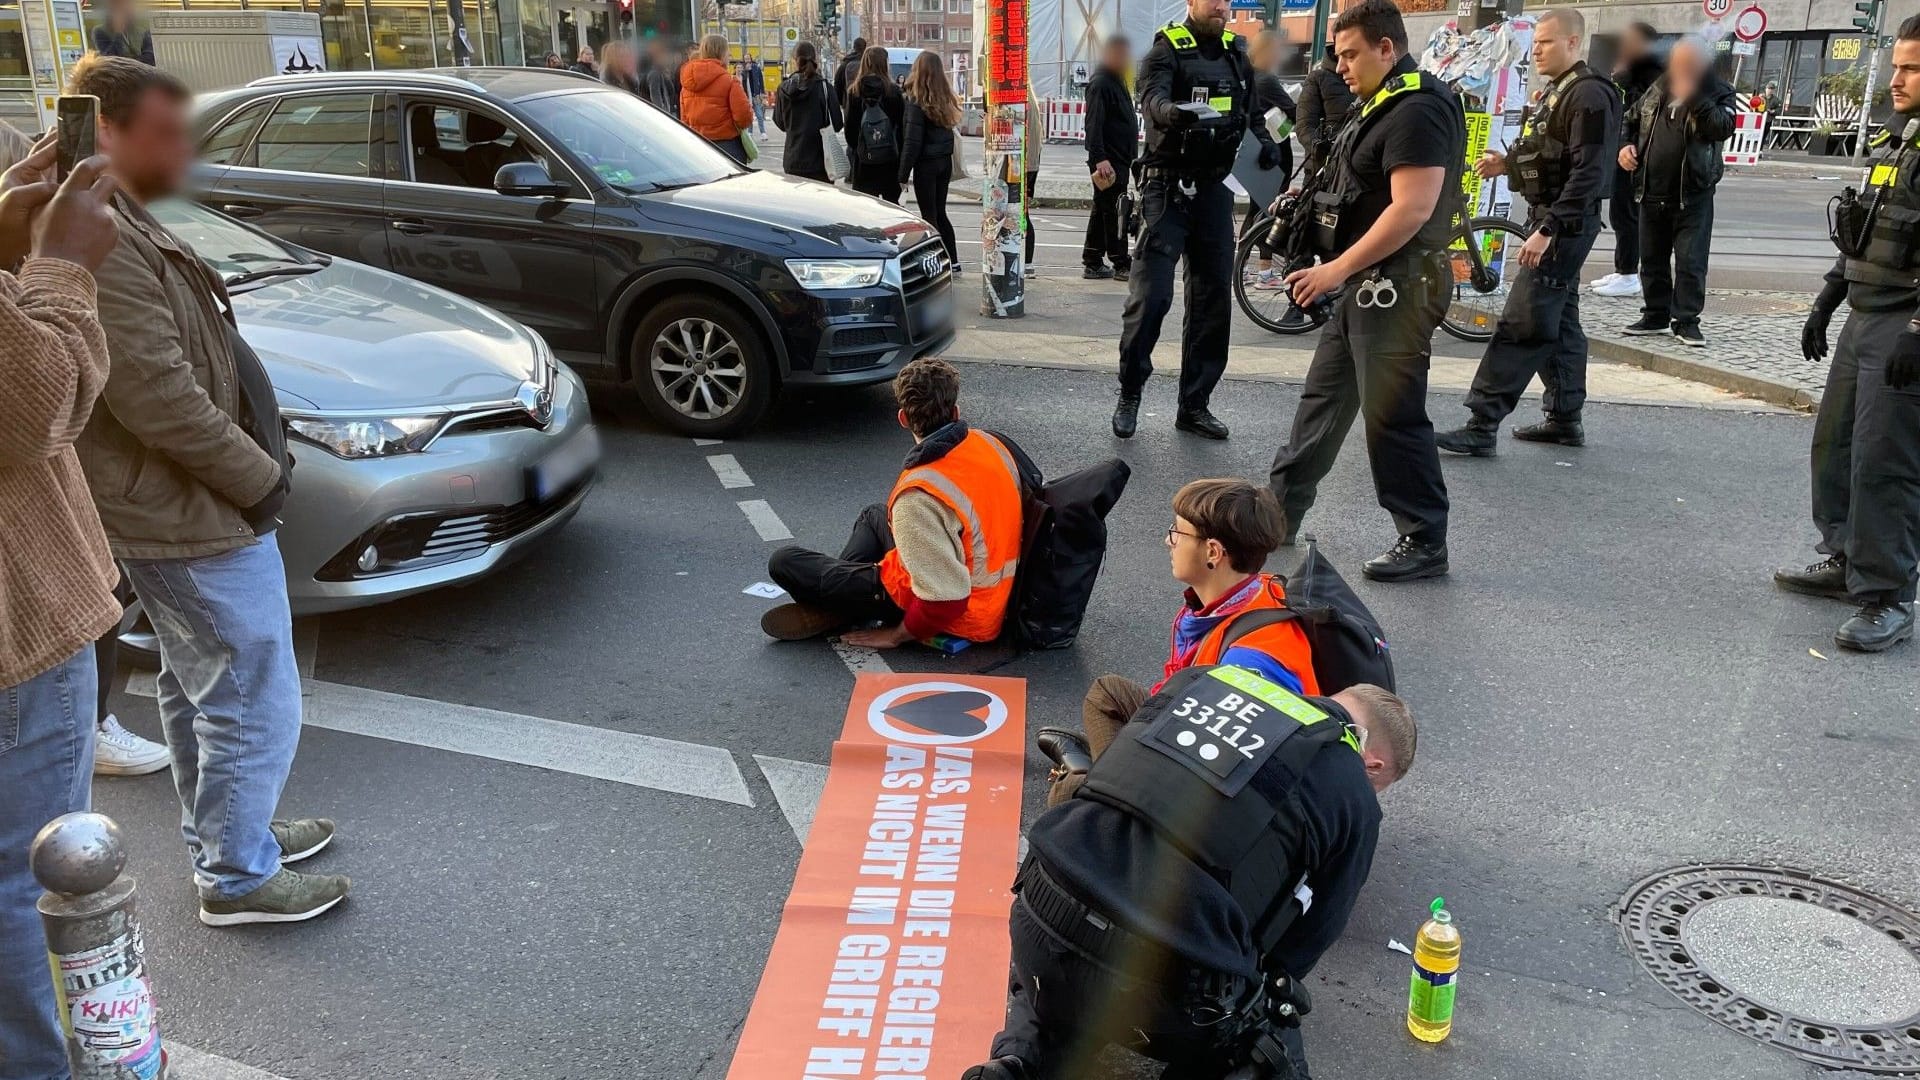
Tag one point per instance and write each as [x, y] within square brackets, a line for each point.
[433, 440]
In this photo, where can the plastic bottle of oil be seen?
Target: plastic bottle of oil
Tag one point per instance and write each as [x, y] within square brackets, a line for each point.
[1436, 969]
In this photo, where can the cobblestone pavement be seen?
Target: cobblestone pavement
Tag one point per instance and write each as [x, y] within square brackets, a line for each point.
[1753, 343]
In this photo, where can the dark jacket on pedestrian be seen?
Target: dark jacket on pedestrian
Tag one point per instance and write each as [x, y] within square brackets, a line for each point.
[1113, 126]
[753, 80]
[175, 471]
[1701, 126]
[848, 74]
[632, 84]
[1270, 93]
[131, 43]
[662, 88]
[1324, 101]
[802, 107]
[874, 92]
[924, 141]
[1637, 78]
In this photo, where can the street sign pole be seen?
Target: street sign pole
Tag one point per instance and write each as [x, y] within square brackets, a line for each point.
[1003, 188]
[1869, 21]
[1321, 10]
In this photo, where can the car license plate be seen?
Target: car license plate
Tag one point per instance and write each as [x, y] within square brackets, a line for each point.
[933, 313]
[566, 466]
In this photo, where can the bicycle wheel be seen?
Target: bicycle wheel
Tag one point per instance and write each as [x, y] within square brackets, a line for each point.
[1266, 307]
[1480, 260]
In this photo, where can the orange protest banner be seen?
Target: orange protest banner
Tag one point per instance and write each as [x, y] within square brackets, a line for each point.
[891, 958]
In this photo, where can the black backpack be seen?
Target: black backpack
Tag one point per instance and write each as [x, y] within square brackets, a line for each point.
[1064, 543]
[877, 146]
[1348, 645]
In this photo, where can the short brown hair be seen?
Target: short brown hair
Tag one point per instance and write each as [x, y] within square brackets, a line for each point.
[1389, 718]
[1245, 518]
[120, 82]
[1376, 20]
[927, 390]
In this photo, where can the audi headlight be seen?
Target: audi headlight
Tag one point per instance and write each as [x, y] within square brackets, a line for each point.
[364, 437]
[836, 273]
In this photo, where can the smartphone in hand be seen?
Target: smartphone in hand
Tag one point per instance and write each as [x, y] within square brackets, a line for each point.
[78, 119]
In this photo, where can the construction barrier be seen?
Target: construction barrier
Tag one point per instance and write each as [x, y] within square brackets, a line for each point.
[1066, 121]
[1749, 131]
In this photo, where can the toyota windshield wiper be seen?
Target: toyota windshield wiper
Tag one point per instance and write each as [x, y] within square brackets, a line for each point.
[271, 270]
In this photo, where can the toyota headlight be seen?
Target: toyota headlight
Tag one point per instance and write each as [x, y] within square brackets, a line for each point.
[364, 437]
[836, 273]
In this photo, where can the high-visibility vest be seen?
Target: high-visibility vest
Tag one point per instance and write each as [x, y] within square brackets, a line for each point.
[1284, 641]
[980, 484]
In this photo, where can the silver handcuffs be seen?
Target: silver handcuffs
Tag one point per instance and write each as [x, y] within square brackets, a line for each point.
[1376, 292]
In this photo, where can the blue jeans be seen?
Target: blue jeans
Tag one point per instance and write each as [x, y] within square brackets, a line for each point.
[229, 704]
[759, 113]
[46, 769]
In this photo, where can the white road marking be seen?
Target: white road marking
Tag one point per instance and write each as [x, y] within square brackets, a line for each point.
[186, 1063]
[764, 521]
[859, 658]
[796, 787]
[306, 646]
[708, 442]
[683, 768]
[728, 469]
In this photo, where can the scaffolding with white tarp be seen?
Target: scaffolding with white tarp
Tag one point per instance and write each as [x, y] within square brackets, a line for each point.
[1064, 38]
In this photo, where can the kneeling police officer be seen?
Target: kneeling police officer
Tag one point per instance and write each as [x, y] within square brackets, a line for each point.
[1197, 98]
[1211, 856]
[1561, 165]
[1866, 440]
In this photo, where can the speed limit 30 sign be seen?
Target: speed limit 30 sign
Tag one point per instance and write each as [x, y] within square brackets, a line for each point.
[1717, 9]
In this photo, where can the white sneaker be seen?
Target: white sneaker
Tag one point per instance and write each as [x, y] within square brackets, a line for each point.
[1623, 285]
[119, 752]
[1605, 279]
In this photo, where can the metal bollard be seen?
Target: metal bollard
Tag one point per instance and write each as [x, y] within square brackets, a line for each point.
[96, 951]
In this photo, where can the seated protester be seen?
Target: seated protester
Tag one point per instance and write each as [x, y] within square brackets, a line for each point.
[1223, 531]
[1174, 904]
[938, 557]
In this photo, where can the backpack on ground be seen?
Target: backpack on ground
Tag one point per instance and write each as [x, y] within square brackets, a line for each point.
[1064, 542]
[1348, 645]
[877, 145]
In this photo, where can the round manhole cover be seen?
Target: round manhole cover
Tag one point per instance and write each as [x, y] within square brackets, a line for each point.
[1816, 968]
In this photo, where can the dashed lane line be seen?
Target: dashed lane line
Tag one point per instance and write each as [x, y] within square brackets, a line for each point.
[727, 468]
[186, 1063]
[859, 658]
[708, 442]
[764, 521]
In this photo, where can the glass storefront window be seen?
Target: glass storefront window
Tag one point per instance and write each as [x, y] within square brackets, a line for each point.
[404, 35]
[343, 26]
[14, 72]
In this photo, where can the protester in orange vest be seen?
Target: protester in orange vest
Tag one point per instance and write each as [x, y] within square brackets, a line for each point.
[1223, 531]
[938, 558]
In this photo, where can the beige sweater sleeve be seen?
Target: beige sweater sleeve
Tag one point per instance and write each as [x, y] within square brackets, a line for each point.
[927, 535]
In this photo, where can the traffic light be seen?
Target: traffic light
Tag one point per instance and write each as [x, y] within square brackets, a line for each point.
[1868, 18]
[626, 12]
[829, 12]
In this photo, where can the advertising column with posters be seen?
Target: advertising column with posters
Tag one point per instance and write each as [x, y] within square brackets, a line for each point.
[1003, 194]
[891, 957]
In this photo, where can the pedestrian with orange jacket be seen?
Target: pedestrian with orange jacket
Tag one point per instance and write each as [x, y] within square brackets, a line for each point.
[712, 102]
[1222, 533]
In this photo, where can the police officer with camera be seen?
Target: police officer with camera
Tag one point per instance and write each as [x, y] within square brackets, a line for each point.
[1212, 854]
[1866, 440]
[1197, 97]
[1561, 165]
[1380, 222]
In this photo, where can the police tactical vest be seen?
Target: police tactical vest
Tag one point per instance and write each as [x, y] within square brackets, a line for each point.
[1538, 163]
[1885, 248]
[1213, 764]
[1225, 83]
[1332, 231]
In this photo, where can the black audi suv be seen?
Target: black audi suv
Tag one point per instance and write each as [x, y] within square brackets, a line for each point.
[642, 254]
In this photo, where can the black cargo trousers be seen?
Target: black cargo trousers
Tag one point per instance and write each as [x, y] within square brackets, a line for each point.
[1198, 227]
[1539, 333]
[1866, 460]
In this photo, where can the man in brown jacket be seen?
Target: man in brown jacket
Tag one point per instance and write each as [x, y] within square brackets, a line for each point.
[186, 461]
[56, 579]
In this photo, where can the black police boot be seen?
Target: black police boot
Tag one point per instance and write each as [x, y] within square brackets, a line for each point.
[1877, 627]
[1000, 1068]
[1066, 749]
[1096, 273]
[1477, 439]
[1554, 430]
[1126, 415]
[1407, 560]
[1200, 422]
[1828, 578]
[1122, 273]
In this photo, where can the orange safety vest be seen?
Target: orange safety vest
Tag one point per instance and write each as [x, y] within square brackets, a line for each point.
[979, 483]
[1283, 641]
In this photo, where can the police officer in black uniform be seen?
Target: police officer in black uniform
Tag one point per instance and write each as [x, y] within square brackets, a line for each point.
[1197, 97]
[1866, 440]
[1211, 856]
[1381, 229]
[1561, 165]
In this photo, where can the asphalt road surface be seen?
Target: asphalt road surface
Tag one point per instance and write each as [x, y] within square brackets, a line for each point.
[1607, 685]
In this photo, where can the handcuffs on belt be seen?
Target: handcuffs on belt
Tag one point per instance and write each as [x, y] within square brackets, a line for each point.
[1376, 292]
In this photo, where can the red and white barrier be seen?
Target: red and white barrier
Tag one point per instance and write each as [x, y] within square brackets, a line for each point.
[1749, 131]
[1066, 120]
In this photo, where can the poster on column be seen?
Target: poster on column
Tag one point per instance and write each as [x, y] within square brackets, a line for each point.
[891, 957]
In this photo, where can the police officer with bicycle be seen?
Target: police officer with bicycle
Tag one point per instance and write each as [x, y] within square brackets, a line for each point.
[1866, 440]
[1197, 98]
[1561, 165]
[1381, 224]
[1211, 856]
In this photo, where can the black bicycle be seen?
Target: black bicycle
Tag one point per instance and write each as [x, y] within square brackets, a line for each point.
[1478, 261]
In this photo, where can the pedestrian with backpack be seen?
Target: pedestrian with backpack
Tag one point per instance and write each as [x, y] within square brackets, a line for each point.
[1234, 613]
[876, 116]
[932, 114]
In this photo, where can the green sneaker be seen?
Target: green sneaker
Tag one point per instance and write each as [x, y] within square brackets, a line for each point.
[288, 896]
[302, 838]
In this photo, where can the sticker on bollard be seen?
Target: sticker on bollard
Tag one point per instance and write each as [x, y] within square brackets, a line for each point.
[891, 957]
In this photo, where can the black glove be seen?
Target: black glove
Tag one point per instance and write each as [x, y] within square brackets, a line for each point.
[264, 516]
[1813, 336]
[1269, 156]
[1903, 367]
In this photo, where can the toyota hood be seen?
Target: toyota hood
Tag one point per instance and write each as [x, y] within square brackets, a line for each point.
[800, 213]
[349, 338]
